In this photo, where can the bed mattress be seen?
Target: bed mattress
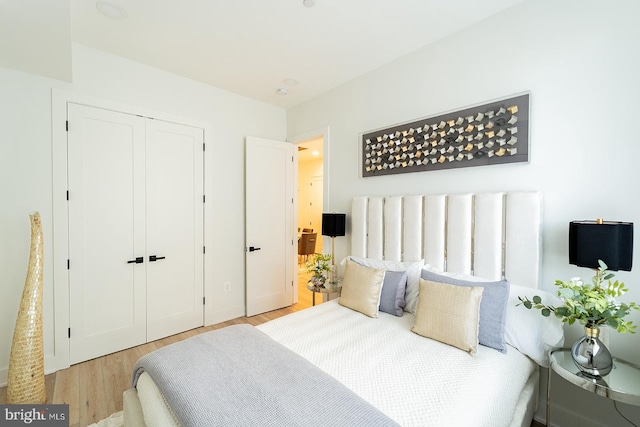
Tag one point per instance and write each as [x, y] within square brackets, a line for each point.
[414, 380]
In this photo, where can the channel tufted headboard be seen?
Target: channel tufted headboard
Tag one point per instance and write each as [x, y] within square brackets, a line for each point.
[490, 235]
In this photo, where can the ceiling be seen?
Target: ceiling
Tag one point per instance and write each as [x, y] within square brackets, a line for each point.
[249, 47]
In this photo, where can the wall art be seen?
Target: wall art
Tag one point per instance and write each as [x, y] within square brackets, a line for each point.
[489, 134]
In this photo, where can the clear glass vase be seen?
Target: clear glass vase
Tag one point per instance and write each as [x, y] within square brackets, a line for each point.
[590, 355]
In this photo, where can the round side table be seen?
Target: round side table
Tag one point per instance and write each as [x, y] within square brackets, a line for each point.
[622, 384]
[328, 288]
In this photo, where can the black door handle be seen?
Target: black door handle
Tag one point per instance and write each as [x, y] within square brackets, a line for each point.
[252, 249]
[138, 260]
[155, 258]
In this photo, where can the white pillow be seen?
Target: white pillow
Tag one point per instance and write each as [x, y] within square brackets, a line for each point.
[529, 331]
[413, 270]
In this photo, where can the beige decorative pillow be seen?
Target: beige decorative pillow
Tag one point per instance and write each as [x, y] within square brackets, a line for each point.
[361, 288]
[449, 314]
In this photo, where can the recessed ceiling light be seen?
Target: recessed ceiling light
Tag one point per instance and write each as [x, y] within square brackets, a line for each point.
[309, 3]
[111, 10]
[282, 91]
[290, 82]
[315, 152]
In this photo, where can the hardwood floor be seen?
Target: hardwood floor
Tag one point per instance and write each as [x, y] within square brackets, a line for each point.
[93, 389]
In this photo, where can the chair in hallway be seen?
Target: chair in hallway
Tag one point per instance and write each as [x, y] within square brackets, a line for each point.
[307, 245]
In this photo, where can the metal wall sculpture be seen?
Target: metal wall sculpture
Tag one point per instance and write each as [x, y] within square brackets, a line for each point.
[493, 133]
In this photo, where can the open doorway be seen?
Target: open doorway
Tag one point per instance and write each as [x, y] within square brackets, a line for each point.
[310, 187]
[310, 205]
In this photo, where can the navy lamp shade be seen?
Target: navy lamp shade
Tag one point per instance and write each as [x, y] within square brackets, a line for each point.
[333, 225]
[609, 241]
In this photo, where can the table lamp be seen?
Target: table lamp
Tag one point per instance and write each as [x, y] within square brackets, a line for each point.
[609, 241]
[333, 225]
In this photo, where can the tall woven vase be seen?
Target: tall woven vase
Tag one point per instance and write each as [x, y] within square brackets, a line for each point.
[25, 382]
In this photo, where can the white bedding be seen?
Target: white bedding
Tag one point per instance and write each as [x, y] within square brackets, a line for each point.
[414, 380]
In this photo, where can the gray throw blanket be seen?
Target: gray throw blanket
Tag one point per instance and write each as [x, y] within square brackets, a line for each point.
[239, 376]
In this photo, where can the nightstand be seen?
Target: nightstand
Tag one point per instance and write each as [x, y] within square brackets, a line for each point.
[330, 289]
[622, 384]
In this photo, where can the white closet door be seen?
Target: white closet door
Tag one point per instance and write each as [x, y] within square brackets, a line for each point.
[174, 228]
[106, 231]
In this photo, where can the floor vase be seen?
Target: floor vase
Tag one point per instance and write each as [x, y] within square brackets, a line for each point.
[25, 379]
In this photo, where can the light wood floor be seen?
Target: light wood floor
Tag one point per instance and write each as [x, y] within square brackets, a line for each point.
[93, 389]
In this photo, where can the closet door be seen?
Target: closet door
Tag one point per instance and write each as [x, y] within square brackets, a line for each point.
[106, 182]
[175, 282]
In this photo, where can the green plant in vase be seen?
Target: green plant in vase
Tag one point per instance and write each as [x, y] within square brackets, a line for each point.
[320, 266]
[593, 305]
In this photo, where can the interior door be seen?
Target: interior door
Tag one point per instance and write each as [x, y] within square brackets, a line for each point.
[107, 288]
[174, 258]
[271, 241]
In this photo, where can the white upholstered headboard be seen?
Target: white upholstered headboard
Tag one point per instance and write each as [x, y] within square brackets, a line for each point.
[490, 235]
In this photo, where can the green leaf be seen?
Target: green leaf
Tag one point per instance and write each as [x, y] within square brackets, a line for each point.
[565, 293]
[613, 322]
[537, 299]
[527, 304]
[603, 266]
[546, 312]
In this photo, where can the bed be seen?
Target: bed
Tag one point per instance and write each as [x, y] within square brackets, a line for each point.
[388, 363]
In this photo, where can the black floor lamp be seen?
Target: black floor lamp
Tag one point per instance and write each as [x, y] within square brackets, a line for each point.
[333, 225]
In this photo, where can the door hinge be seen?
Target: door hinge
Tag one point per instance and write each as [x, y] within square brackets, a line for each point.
[203, 144]
[68, 264]
[204, 249]
[67, 125]
[69, 332]
[203, 300]
[204, 199]
[67, 195]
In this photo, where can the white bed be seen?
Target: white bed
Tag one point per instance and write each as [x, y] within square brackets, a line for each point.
[414, 380]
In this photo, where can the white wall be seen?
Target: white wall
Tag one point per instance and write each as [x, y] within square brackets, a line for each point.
[581, 62]
[26, 172]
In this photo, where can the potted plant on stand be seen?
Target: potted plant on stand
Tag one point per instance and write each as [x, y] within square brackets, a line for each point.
[321, 267]
[593, 305]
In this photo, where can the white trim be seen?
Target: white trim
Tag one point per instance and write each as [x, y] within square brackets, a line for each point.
[59, 100]
[297, 139]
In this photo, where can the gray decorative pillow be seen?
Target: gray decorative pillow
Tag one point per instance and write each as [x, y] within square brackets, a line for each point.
[392, 298]
[493, 307]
